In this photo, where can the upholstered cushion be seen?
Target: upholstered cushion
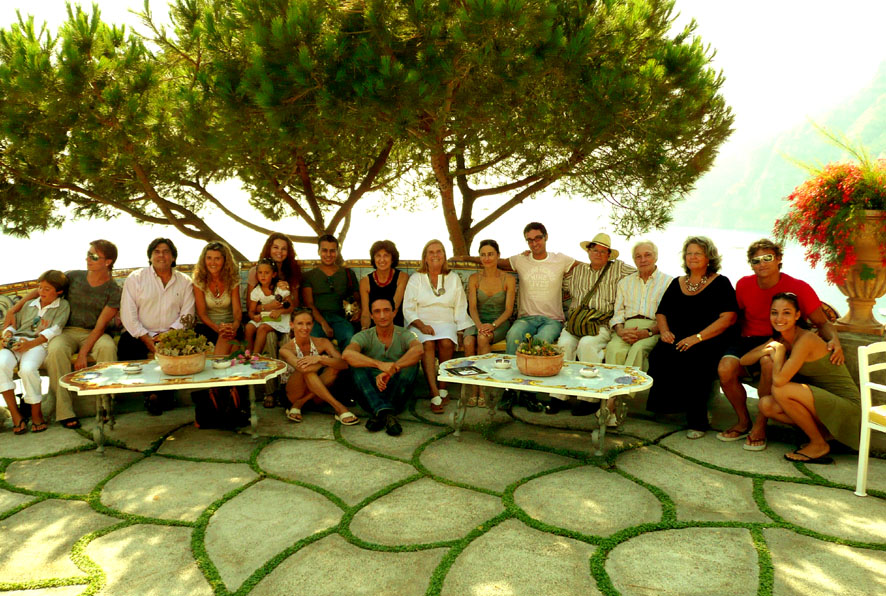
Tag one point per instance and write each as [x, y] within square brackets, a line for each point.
[878, 415]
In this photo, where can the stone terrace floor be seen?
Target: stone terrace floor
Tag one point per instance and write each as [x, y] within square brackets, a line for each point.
[519, 508]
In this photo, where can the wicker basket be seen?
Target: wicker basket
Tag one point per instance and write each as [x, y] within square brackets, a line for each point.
[182, 365]
[539, 366]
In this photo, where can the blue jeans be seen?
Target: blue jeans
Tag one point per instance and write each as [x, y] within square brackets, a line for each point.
[342, 329]
[394, 397]
[541, 327]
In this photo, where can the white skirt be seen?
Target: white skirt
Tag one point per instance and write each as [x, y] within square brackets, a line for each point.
[441, 331]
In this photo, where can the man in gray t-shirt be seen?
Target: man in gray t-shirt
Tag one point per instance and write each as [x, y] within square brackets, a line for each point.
[94, 297]
[383, 360]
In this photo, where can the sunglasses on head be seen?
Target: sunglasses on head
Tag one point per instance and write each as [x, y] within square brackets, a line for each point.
[92, 256]
[763, 259]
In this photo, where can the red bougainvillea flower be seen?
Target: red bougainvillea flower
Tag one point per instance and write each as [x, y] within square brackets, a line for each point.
[828, 207]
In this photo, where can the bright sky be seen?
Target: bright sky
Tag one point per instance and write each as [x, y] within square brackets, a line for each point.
[784, 61]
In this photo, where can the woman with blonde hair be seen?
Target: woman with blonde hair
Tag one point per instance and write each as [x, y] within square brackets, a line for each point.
[216, 280]
[436, 308]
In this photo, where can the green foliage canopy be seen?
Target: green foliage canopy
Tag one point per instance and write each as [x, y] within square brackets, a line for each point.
[311, 104]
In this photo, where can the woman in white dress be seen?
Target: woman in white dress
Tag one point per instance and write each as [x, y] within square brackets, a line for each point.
[436, 308]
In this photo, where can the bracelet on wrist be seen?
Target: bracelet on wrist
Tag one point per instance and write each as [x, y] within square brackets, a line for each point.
[698, 335]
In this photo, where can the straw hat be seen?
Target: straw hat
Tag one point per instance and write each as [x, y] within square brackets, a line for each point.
[603, 240]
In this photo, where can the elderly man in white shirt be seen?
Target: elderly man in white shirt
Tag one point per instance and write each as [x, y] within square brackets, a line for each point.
[636, 300]
[154, 300]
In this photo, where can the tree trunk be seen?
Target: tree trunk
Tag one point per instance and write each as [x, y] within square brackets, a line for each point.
[440, 164]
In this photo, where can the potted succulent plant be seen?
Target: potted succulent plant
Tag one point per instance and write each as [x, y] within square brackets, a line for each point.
[182, 351]
[538, 358]
[838, 216]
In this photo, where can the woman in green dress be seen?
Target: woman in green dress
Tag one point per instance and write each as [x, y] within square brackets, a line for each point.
[808, 390]
[491, 294]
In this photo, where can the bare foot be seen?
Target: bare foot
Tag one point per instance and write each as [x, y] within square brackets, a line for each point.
[811, 454]
[735, 432]
[757, 441]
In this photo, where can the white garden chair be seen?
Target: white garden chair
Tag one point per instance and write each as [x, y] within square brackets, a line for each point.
[872, 418]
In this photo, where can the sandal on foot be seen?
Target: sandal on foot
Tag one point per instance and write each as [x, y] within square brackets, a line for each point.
[481, 402]
[471, 402]
[269, 401]
[733, 434]
[293, 415]
[347, 418]
[751, 447]
[693, 434]
[39, 427]
[802, 458]
[438, 407]
[71, 423]
[21, 428]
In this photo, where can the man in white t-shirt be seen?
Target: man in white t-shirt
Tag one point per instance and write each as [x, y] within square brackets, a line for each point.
[539, 298]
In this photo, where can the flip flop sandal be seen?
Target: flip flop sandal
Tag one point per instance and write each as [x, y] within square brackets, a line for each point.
[824, 459]
[734, 435]
[438, 408]
[39, 427]
[71, 423]
[293, 415]
[748, 447]
[20, 428]
[471, 402]
[269, 401]
[347, 418]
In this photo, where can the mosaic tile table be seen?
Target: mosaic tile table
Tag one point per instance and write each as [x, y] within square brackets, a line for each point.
[107, 379]
[611, 381]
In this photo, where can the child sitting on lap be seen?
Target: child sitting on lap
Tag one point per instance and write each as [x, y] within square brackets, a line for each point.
[265, 306]
[25, 344]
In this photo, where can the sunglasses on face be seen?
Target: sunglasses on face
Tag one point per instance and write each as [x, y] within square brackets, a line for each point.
[92, 256]
[763, 259]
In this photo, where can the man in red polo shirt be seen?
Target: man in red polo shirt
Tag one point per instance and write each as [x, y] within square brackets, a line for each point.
[754, 294]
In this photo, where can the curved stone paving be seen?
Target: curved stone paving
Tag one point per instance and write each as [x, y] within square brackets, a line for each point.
[824, 567]
[831, 511]
[324, 509]
[173, 489]
[73, 473]
[36, 541]
[351, 475]
[698, 492]
[319, 568]
[149, 561]
[588, 500]
[277, 515]
[423, 512]
[472, 460]
[509, 559]
[700, 561]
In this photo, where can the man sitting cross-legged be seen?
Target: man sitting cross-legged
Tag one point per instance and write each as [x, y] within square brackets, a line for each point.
[384, 359]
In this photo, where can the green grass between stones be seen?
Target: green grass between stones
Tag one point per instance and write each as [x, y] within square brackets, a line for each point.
[95, 577]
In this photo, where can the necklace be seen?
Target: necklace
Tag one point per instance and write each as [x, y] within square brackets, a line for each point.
[442, 282]
[696, 287]
[380, 283]
[215, 288]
